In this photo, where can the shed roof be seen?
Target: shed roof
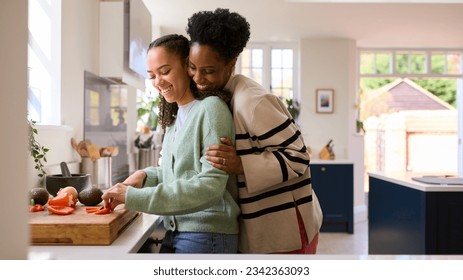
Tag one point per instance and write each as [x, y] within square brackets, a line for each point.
[404, 94]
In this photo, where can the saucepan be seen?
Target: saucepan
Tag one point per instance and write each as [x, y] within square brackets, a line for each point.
[54, 183]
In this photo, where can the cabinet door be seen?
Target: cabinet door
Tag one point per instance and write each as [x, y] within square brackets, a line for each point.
[449, 232]
[334, 186]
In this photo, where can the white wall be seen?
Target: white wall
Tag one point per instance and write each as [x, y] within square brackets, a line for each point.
[325, 65]
[80, 49]
[331, 63]
[14, 232]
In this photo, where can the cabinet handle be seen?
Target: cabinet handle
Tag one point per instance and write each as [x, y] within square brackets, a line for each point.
[323, 169]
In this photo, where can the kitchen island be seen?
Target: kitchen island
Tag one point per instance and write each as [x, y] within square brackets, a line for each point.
[409, 217]
[124, 247]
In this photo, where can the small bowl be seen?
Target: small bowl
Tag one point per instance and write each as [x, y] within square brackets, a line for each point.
[54, 183]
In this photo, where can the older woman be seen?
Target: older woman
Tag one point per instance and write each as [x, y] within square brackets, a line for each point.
[279, 210]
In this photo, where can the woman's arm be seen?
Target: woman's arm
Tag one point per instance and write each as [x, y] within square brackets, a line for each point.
[192, 189]
[277, 152]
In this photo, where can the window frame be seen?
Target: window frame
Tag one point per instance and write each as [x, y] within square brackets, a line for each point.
[428, 67]
[48, 55]
[428, 74]
[267, 66]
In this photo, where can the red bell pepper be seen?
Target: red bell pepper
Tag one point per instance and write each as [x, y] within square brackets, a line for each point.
[103, 210]
[37, 208]
[62, 199]
[60, 210]
[92, 209]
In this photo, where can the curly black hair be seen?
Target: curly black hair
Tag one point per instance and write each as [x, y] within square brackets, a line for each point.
[227, 32]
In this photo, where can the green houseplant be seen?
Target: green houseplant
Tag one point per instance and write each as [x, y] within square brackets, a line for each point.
[293, 107]
[147, 112]
[37, 151]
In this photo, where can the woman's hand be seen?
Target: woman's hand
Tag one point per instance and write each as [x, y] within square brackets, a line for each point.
[115, 195]
[223, 156]
[136, 179]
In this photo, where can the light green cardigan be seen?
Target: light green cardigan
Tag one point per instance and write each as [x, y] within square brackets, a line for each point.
[190, 193]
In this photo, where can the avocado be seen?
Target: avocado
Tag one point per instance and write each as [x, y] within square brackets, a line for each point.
[90, 196]
[39, 196]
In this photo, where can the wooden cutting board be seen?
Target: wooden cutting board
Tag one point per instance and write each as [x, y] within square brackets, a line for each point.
[78, 228]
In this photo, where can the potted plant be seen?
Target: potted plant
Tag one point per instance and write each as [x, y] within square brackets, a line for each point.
[37, 151]
[293, 108]
[147, 112]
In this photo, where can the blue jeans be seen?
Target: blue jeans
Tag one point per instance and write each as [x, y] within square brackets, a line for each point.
[201, 242]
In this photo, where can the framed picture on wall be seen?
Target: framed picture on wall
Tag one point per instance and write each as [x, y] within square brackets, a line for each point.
[325, 101]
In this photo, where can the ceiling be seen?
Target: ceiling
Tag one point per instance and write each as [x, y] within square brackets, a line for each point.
[388, 25]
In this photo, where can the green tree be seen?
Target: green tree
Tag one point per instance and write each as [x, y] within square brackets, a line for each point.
[408, 63]
[445, 89]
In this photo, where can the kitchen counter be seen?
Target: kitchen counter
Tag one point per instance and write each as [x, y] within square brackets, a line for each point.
[406, 217]
[124, 247]
[334, 161]
[405, 179]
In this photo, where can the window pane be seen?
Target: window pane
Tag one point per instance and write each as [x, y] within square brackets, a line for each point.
[246, 58]
[123, 96]
[401, 63]
[286, 93]
[438, 63]
[418, 63]
[288, 78]
[94, 116]
[276, 78]
[257, 75]
[246, 72]
[94, 99]
[454, 63]
[288, 58]
[115, 102]
[257, 58]
[367, 63]
[383, 63]
[276, 91]
[276, 58]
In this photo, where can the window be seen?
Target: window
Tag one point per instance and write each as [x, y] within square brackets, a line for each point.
[438, 71]
[272, 66]
[105, 124]
[44, 60]
[412, 63]
[252, 64]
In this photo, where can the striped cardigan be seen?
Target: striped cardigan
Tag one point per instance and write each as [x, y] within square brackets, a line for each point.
[276, 177]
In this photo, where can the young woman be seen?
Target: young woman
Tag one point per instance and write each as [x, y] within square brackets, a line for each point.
[279, 210]
[199, 213]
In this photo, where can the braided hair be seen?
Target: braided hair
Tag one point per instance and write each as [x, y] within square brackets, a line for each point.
[179, 45]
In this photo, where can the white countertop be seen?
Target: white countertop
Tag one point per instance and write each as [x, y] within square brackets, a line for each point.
[405, 179]
[124, 247]
[334, 161]
[133, 237]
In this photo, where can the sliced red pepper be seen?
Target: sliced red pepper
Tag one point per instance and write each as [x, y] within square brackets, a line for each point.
[37, 208]
[60, 210]
[103, 210]
[92, 209]
[62, 199]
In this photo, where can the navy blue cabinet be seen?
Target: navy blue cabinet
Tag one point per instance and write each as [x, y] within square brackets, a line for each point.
[408, 221]
[334, 187]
